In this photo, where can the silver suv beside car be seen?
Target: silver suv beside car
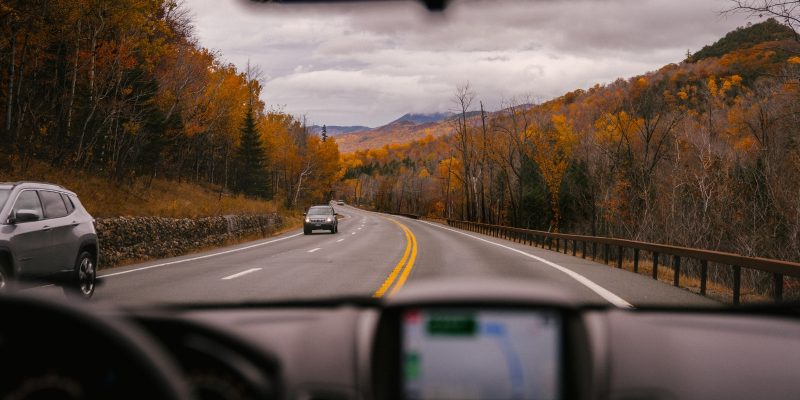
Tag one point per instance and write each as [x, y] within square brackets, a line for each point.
[46, 235]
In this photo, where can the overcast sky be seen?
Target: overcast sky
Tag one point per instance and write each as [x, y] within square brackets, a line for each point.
[367, 64]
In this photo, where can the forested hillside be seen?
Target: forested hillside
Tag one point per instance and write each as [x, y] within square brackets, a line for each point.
[123, 90]
[704, 153]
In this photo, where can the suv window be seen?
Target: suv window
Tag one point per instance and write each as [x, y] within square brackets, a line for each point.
[53, 204]
[4, 193]
[68, 202]
[29, 200]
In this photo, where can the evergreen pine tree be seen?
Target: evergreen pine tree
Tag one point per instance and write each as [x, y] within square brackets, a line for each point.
[324, 133]
[252, 171]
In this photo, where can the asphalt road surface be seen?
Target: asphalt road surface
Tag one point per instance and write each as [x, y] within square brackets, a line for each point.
[372, 255]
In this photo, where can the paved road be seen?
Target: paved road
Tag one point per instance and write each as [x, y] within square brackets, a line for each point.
[373, 254]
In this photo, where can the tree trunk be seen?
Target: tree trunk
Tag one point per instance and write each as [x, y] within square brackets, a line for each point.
[12, 61]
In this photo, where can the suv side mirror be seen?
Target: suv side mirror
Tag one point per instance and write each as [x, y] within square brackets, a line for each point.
[304, 214]
[25, 216]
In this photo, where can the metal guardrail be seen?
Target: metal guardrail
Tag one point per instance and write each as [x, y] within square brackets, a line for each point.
[777, 268]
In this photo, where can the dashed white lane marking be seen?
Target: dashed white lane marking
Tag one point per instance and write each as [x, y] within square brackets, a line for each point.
[199, 257]
[352, 233]
[340, 240]
[249, 271]
[313, 250]
[601, 291]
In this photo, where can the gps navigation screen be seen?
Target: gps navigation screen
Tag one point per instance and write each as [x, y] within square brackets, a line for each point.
[481, 354]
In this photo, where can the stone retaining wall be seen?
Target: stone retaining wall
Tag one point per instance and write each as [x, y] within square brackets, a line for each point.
[139, 238]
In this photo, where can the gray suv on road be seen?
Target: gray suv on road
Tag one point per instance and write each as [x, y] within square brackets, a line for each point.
[320, 217]
[46, 235]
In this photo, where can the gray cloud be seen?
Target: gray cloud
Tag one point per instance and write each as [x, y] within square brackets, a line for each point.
[366, 64]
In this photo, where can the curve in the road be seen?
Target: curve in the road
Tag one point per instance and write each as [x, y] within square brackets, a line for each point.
[363, 261]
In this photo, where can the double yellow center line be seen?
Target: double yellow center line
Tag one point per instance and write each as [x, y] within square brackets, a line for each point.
[400, 272]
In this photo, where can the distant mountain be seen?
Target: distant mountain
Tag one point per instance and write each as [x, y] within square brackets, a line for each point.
[746, 37]
[334, 130]
[423, 118]
[408, 128]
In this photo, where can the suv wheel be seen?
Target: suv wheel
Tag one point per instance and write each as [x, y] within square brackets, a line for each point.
[84, 277]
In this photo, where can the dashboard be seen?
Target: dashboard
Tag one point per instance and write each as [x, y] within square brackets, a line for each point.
[434, 340]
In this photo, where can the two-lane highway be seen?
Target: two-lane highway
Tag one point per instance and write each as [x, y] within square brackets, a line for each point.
[372, 255]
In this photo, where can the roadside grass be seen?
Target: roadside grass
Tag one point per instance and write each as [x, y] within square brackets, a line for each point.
[103, 197]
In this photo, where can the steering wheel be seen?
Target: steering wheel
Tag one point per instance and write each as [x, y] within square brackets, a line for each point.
[59, 351]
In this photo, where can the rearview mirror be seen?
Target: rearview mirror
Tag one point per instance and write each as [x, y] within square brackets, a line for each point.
[24, 215]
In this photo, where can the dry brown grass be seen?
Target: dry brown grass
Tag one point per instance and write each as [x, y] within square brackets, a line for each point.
[106, 198]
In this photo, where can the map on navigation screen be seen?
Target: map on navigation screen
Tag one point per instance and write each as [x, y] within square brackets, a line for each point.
[481, 354]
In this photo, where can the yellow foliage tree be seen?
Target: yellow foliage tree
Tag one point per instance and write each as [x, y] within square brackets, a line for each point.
[551, 151]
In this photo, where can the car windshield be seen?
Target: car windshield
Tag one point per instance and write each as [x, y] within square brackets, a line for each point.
[540, 141]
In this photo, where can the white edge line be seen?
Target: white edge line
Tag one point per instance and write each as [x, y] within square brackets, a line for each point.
[313, 250]
[241, 273]
[601, 291]
[198, 257]
[340, 240]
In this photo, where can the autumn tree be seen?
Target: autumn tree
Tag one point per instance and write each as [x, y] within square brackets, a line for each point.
[552, 149]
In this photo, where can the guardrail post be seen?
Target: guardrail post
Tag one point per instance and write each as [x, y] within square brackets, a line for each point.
[605, 253]
[583, 253]
[574, 245]
[778, 290]
[676, 266]
[636, 260]
[558, 245]
[566, 244]
[549, 243]
[655, 265]
[737, 283]
[619, 256]
[594, 251]
[703, 276]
